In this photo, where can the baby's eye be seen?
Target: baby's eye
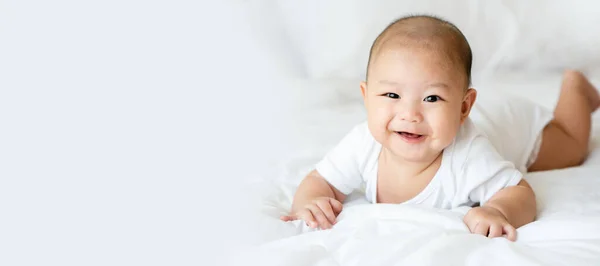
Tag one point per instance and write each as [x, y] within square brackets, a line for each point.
[432, 98]
[392, 95]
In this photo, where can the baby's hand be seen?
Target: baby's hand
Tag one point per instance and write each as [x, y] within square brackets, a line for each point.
[489, 222]
[320, 212]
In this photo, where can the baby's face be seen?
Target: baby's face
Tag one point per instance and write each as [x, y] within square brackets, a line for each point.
[415, 101]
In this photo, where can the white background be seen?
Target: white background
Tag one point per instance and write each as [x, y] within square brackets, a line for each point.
[127, 129]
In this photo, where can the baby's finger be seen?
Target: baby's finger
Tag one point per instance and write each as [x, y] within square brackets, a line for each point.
[326, 208]
[307, 217]
[511, 232]
[482, 229]
[287, 218]
[495, 230]
[470, 221]
[337, 206]
[471, 224]
[320, 217]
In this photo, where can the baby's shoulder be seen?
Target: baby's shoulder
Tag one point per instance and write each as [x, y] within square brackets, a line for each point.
[470, 144]
[364, 145]
[357, 140]
[360, 134]
[367, 141]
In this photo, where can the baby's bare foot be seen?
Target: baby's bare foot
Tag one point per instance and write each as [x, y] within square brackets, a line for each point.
[575, 79]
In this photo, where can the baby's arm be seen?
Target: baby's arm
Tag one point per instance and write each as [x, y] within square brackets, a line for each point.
[316, 202]
[509, 208]
[516, 203]
[312, 187]
[507, 200]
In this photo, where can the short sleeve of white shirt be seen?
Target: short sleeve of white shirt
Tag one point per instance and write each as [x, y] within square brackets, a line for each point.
[341, 166]
[484, 172]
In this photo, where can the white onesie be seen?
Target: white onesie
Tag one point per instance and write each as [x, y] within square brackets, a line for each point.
[471, 171]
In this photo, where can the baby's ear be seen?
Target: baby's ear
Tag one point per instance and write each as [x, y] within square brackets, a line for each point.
[467, 104]
[363, 90]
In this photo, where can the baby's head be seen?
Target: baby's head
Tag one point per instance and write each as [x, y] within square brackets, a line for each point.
[417, 89]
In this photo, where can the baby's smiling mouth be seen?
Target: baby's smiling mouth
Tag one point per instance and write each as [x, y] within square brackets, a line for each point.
[409, 136]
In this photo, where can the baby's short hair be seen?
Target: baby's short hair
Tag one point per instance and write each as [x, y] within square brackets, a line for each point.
[429, 31]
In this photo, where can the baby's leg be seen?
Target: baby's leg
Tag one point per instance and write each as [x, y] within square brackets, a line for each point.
[565, 139]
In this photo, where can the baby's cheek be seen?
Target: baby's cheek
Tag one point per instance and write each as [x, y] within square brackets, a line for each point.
[380, 109]
[446, 128]
[380, 116]
[377, 126]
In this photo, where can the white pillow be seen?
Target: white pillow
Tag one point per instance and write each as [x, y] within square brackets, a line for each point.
[334, 36]
[554, 35]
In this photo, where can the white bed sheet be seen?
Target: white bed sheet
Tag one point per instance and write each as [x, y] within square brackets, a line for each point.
[567, 229]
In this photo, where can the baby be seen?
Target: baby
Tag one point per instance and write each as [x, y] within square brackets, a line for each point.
[420, 146]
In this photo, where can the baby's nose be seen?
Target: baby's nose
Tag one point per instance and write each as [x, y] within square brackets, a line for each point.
[411, 114]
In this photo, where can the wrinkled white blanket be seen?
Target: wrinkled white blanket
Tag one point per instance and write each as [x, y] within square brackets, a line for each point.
[566, 230]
